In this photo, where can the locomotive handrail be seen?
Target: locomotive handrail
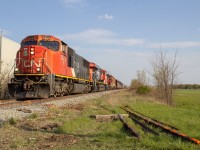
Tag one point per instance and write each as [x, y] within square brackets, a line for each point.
[46, 64]
[18, 62]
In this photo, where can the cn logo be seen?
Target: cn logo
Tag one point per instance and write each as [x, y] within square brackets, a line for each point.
[28, 63]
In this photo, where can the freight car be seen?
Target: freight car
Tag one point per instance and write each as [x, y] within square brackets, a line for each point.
[119, 85]
[45, 66]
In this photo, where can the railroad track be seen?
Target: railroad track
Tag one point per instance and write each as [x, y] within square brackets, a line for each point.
[14, 103]
[136, 117]
[2, 102]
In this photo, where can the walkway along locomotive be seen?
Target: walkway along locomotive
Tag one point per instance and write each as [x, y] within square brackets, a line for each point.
[45, 66]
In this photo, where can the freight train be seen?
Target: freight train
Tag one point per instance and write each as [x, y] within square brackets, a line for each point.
[46, 66]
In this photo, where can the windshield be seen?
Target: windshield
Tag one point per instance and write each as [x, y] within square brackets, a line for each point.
[50, 44]
[27, 43]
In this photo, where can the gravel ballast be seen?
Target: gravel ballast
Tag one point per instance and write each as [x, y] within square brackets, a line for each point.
[19, 112]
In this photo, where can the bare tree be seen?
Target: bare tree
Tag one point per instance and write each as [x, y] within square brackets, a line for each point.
[4, 78]
[165, 74]
[142, 77]
[141, 80]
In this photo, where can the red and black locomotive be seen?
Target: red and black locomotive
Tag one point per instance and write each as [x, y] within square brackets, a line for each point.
[45, 66]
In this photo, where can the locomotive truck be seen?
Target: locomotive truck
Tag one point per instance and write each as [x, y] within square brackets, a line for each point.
[46, 66]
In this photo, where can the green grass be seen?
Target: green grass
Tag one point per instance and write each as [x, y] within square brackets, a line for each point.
[185, 115]
[12, 121]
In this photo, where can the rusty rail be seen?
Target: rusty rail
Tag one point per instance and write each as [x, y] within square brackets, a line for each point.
[162, 127]
[144, 127]
[128, 127]
[160, 122]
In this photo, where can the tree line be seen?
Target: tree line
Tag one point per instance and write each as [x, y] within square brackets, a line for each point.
[187, 86]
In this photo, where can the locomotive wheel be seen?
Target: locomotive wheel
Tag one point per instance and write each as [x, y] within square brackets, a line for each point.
[55, 94]
[61, 94]
[67, 93]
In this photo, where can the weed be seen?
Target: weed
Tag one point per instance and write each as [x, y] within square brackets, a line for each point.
[33, 116]
[18, 143]
[12, 121]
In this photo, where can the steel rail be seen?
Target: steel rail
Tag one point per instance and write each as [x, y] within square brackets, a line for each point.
[152, 118]
[163, 128]
[144, 127]
[128, 127]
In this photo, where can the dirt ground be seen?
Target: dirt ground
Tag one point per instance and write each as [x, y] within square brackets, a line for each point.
[34, 133]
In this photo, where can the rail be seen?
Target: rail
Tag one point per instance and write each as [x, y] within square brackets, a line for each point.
[164, 128]
[128, 127]
[153, 119]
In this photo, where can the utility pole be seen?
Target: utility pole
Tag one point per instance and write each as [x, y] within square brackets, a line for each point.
[1, 49]
[1, 63]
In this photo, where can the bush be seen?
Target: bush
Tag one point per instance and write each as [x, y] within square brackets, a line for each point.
[12, 121]
[143, 90]
[33, 116]
[135, 84]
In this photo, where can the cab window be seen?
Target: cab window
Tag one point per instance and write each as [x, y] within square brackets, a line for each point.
[53, 45]
[27, 43]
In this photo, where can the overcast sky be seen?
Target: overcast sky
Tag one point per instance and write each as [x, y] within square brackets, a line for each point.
[121, 36]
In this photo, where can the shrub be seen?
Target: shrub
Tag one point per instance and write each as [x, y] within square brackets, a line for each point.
[135, 84]
[33, 116]
[12, 121]
[143, 90]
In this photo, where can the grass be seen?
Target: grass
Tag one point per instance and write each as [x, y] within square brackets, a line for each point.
[33, 116]
[12, 121]
[111, 135]
[94, 135]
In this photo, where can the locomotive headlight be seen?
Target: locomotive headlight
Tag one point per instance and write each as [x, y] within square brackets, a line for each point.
[38, 69]
[16, 69]
[32, 50]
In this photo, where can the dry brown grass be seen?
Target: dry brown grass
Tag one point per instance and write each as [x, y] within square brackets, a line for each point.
[78, 107]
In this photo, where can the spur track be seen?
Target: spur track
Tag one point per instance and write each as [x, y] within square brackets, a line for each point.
[158, 124]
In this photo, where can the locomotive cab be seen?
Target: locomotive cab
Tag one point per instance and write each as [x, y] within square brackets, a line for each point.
[37, 54]
[36, 62]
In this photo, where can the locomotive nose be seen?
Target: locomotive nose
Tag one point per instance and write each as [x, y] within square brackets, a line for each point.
[30, 59]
